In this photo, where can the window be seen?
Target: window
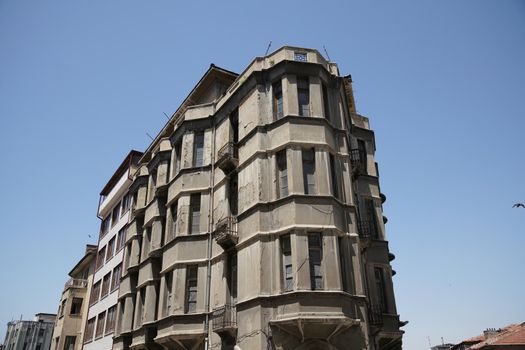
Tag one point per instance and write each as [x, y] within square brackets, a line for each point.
[104, 226]
[380, 288]
[57, 339]
[62, 308]
[168, 292]
[278, 100]
[141, 305]
[126, 204]
[344, 265]
[326, 103]
[115, 214]
[100, 324]
[115, 281]
[234, 124]
[300, 56]
[152, 184]
[315, 252]
[195, 213]
[361, 148]
[146, 243]
[105, 285]
[112, 316]
[282, 174]
[93, 298]
[178, 147]
[121, 239]
[69, 344]
[76, 306]
[191, 288]
[309, 171]
[232, 276]
[233, 195]
[286, 252]
[90, 328]
[303, 95]
[121, 311]
[110, 249]
[369, 225]
[198, 149]
[100, 257]
[333, 175]
[174, 213]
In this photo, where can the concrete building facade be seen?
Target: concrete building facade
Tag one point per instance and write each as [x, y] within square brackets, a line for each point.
[257, 221]
[73, 307]
[30, 335]
[113, 210]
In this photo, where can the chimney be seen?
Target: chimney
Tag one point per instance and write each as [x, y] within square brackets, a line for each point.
[490, 332]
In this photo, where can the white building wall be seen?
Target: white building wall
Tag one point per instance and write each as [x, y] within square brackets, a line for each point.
[114, 198]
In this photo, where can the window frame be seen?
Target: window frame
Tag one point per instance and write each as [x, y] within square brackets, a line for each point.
[278, 99]
[309, 170]
[287, 262]
[315, 260]
[76, 299]
[281, 165]
[106, 282]
[303, 97]
[110, 322]
[192, 281]
[110, 249]
[198, 146]
[114, 285]
[195, 215]
[101, 321]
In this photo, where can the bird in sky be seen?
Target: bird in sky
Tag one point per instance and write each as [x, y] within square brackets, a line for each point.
[517, 205]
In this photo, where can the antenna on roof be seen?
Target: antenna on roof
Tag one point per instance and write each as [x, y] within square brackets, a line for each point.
[149, 136]
[327, 55]
[268, 48]
[166, 115]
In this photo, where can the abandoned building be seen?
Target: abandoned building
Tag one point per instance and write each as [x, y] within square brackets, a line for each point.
[255, 221]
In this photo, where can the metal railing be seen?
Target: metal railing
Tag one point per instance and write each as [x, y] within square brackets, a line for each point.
[226, 231]
[75, 282]
[224, 318]
[358, 159]
[375, 315]
[367, 228]
[229, 150]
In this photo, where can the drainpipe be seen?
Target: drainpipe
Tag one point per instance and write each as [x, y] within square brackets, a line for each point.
[210, 230]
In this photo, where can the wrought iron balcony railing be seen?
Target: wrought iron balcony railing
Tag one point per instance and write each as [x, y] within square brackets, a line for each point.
[375, 315]
[367, 228]
[224, 320]
[228, 157]
[226, 232]
[358, 159]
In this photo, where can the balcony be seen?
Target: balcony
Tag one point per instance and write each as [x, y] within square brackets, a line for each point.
[228, 157]
[358, 159]
[375, 315]
[75, 283]
[367, 229]
[226, 232]
[224, 321]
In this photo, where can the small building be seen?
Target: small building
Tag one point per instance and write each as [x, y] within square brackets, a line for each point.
[30, 335]
[72, 310]
[507, 338]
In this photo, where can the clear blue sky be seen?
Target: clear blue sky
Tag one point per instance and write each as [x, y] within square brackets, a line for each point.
[443, 83]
